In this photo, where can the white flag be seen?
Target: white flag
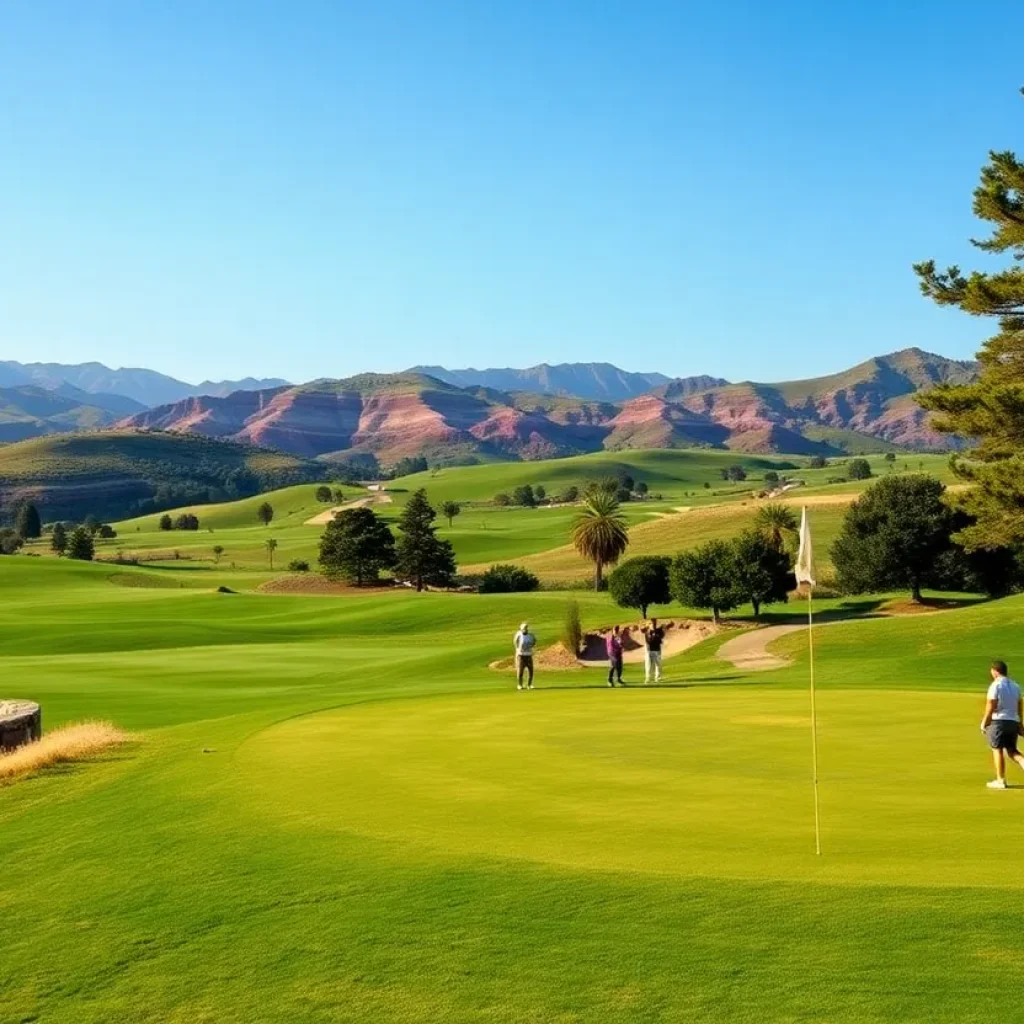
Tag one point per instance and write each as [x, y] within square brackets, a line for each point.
[805, 559]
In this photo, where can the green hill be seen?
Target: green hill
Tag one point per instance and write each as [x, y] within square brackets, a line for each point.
[111, 473]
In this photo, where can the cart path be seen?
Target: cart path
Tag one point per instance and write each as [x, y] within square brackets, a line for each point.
[749, 651]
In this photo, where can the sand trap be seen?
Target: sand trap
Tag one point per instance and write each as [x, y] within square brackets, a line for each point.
[323, 518]
[556, 658]
[679, 636]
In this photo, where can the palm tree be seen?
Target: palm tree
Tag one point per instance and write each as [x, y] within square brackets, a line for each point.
[271, 548]
[777, 523]
[599, 532]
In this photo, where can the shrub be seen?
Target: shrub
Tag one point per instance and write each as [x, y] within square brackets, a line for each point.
[166, 523]
[298, 565]
[70, 743]
[524, 496]
[502, 499]
[106, 531]
[323, 493]
[771, 477]
[508, 579]
[10, 541]
[817, 462]
[186, 521]
[858, 469]
[572, 628]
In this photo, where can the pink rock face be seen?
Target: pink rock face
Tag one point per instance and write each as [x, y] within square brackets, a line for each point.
[215, 417]
[402, 424]
[305, 422]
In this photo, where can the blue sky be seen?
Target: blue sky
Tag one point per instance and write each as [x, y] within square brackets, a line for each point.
[218, 189]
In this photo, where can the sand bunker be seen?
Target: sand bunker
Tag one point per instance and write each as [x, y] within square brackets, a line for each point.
[556, 658]
[323, 518]
[680, 635]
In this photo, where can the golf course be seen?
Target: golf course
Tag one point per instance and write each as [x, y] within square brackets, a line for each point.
[330, 808]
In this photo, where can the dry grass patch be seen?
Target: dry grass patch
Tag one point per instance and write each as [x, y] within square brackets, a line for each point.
[62, 746]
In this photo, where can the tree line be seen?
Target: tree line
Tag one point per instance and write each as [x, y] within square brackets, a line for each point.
[66, 538]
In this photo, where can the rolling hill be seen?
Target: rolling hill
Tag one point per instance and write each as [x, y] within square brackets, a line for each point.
[869, 407]
[114, 473]
[31, 411]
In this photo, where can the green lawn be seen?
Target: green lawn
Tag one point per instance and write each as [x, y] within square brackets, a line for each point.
[333, 811]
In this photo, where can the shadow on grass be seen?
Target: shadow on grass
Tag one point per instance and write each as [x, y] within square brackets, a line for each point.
[686, 684]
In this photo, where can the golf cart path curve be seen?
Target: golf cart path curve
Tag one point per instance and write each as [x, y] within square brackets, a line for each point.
[749, 651]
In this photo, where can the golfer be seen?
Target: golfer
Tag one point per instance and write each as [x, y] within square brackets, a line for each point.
[524, 643]
[613, 644]
[1001, 724]
[654, 637]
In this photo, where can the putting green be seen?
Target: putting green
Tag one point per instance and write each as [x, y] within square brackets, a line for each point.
[690, 782]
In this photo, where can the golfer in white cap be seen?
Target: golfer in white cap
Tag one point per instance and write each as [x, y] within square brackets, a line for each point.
[524, 642]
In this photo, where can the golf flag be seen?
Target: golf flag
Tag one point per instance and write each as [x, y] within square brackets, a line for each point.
[804, 572]
[805, 559]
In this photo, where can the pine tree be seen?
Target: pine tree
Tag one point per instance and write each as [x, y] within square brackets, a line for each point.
[991, 411]
[59, 539]
[420, 556]
[28, 525]
[357, 545]
[81, 545]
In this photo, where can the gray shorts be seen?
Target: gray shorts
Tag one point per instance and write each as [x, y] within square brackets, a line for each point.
[1003, 736]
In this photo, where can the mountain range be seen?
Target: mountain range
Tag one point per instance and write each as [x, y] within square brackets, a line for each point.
[145, 387]
[869, 407]
[597, 381]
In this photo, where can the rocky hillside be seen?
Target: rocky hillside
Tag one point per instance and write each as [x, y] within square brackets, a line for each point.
[869, 407]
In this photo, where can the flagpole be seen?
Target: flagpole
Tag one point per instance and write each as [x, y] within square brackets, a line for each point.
[814, 721]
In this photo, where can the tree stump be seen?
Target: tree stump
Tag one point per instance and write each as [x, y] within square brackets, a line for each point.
[21, 721]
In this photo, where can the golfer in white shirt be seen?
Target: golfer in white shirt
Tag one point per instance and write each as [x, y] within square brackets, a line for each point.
[1001, 723]
[524, 642]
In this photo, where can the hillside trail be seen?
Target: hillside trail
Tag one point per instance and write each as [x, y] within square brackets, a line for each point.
[323, 518]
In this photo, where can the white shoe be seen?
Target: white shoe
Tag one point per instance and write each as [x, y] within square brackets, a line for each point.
[518, 687]
[997, 784]
[530, 687]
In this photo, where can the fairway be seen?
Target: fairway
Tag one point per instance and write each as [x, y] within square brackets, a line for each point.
[330, 810]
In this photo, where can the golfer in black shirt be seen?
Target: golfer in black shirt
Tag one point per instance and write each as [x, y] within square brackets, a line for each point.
[654, 635]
